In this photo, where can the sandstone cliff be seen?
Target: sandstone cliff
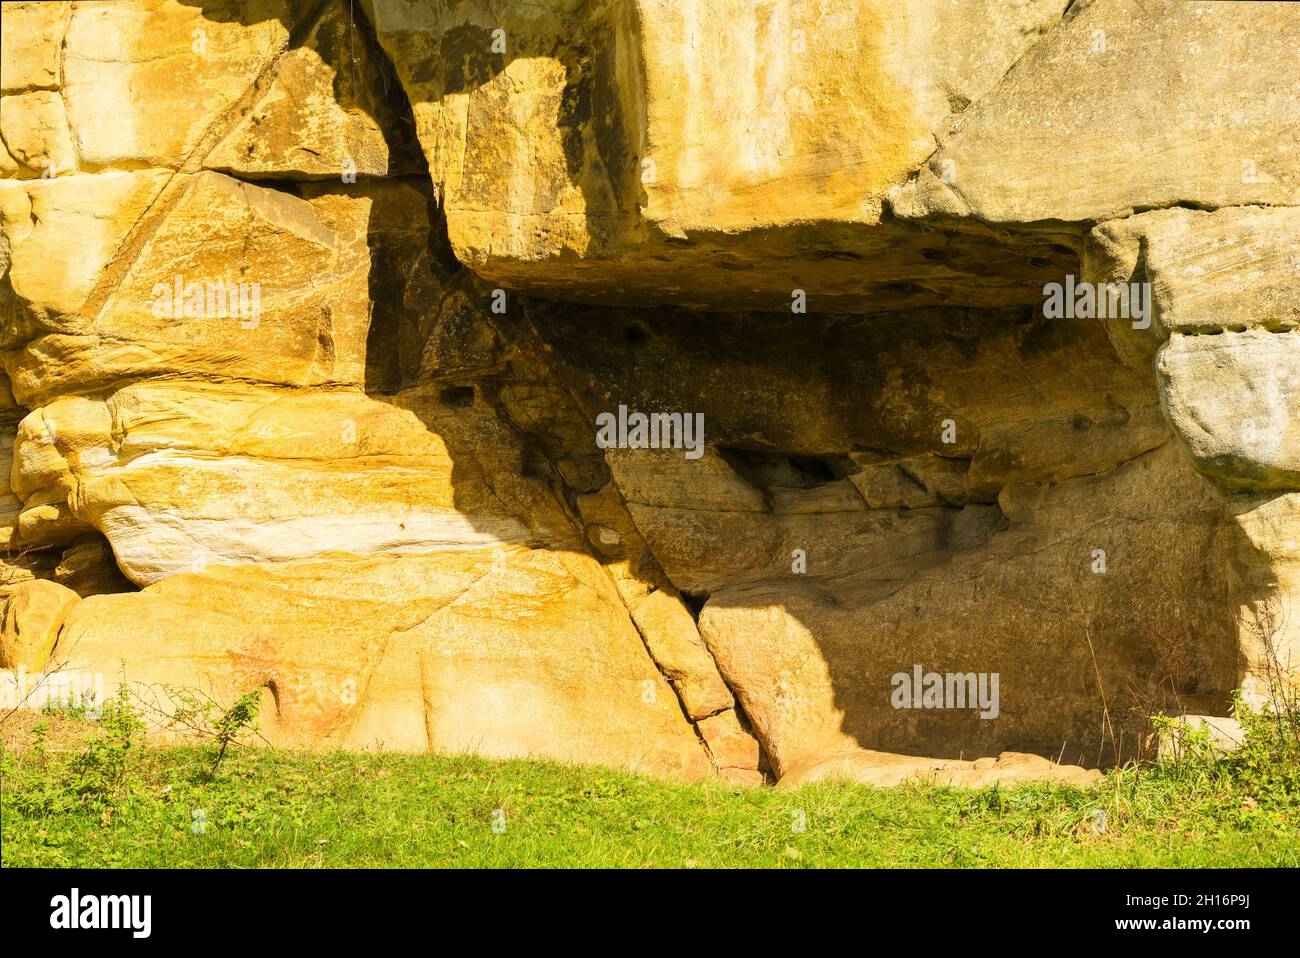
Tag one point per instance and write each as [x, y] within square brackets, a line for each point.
[310, 310]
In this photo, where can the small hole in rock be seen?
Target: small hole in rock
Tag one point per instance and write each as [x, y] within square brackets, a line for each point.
[457, 397]
[695, 603]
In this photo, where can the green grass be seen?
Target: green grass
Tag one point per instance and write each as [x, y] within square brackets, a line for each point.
[302, 810]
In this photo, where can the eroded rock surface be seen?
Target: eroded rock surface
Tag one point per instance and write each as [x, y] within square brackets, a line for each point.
[305, 358]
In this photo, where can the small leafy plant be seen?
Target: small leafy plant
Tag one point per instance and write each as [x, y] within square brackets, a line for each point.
[98, 775]
[200, 716]
[1268, 762]
[240, 717]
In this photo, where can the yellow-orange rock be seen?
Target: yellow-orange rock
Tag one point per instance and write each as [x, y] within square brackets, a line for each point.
[34, 611]
[308, 311]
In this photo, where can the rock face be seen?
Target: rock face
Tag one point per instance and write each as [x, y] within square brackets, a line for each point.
[326, 369]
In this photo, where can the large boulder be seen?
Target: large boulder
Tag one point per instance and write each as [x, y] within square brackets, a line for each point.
[34, 612]
[705, 152]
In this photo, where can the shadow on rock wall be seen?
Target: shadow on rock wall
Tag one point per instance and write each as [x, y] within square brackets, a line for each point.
[825, 438]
